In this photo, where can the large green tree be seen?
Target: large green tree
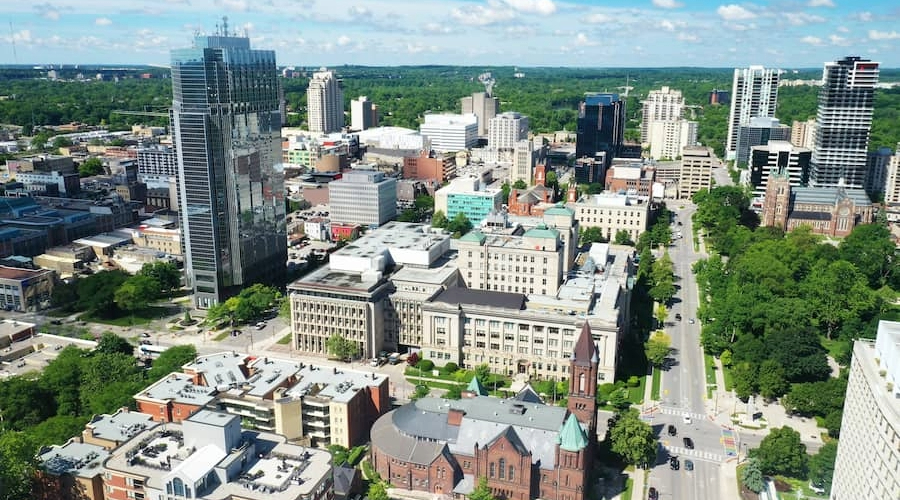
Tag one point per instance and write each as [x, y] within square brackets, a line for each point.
[821, 466]
[340, 347]
[752, 476]
[658, 348]
[171, 360]
[110, 343]
[869, 247]
[136, 293]
[781, 452]
[633, 439]
[17, 464]
[166, 274]
[482, 491]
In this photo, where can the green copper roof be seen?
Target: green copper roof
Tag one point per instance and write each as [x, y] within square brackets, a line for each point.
[476, 236]
[476, 387]
[559, 209]
[542, 231]
[571, 436]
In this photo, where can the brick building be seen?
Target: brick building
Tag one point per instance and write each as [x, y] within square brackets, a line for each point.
[524, 448]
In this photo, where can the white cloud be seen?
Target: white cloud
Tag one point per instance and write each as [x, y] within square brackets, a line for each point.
[482, 16]
[820, 3]
[734, 12]
[812, 40]
[598, 18]
[687, 37]
[838, 40]
[581, 40]
[47, 11]
[543, 7]
[343, 40]
[864, 16]
[102, 21]
[802, 18]
[519, 30]
[238, 5]
[883, 35]
[843, 29]
[357, 11]
[437, 28]
[667, 4]
[672, 25]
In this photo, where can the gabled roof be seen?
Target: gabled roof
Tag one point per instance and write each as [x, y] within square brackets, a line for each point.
[343, 478]
[476, 387]
[571, 436]
[475, 236]
[513, 437]
[585, 352]
[528, 395]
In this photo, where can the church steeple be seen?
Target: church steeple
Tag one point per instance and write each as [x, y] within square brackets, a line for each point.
[583, 365]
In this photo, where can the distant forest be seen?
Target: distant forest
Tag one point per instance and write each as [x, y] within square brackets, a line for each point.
[549, 96]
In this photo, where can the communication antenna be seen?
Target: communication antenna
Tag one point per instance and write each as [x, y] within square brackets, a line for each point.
[225, 25]
[12, 38]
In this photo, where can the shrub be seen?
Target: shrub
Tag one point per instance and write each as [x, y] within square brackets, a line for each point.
[634, 381]
[426, 365]
[449, 368]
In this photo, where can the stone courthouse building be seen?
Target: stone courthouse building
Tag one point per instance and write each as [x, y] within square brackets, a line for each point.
[524, 448]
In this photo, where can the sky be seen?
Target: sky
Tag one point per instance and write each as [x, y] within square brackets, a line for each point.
[582, 33]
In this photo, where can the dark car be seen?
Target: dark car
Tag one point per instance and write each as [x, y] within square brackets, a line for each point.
[688, 443]
[678, 316]
[672, 430]
[56, 322]
[674, 464]
[688, 465]
[652, 494]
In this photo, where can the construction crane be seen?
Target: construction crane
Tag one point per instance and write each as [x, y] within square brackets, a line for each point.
[141, 113]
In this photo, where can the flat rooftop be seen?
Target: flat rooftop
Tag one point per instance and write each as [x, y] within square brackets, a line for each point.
[78, 459]
[120, 426]
[180, 388]
[327, 278]
[332, 382]
[460, 295]
[394, 236]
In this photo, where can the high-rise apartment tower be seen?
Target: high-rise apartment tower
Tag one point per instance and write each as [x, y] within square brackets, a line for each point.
[325, 103]
[664, 104]
[227, 132]
[754, 93]
[843, 122]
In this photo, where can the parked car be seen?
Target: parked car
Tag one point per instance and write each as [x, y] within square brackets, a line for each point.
[652, 494]
[688, 465]
[260, 325]
[691, 321]
[678, 316]
[145, 335]
[688, 443]
[686, 419]
[674, 464]
[672, 430]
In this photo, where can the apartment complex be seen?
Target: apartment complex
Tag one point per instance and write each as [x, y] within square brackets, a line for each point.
[467, 196]
[449, 132]
[868, 456]
[844, 122]
[325, 103]
[363, 114]
[158, 161]
[484, 106]
[228, 145]
[695, 172]
[754, 93]
[613, 212]
[366, 197]
[758, 132]
[506, 130]
[429, 166]
[778, 156]
[892, 186]
[877, 165]
[665, 105]
[669, 137]
[803, 134]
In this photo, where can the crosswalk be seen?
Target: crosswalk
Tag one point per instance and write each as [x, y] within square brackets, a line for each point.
[694, 454]
[668, 410]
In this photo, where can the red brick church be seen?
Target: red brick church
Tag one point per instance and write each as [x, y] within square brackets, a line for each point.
[525, 448]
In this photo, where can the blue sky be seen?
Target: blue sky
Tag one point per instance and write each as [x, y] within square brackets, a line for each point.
[597, 33]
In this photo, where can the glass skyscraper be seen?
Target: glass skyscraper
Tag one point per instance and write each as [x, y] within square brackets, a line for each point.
[227, 132]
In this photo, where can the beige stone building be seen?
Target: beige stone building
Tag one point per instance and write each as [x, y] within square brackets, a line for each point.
[613, 212]
[696, 170]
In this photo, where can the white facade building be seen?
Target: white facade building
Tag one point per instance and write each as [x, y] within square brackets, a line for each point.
[754, 93]
[661, 105]
[363, 114]
[868, 456]
[363, 197]
[325, 103]
[449, 132]
[506, 129]
[667, 138]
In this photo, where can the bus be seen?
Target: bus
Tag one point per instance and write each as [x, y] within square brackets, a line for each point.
[151, 351]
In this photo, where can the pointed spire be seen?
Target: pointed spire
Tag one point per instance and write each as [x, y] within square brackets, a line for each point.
[585, 352]
[476, 388]
[571, 436]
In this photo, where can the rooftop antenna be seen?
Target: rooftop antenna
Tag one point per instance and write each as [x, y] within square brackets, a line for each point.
[12, 38]
[224, 25]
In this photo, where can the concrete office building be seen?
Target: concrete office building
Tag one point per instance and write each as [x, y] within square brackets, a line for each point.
[669, 137]
[482, 105]
[778, 156]
[877, 171]
[892, 186]
[527, 155]
[228, 145]
[613, 212]
[844, 123]
[50, 183]
[25, 290]
[429, 166]
[803, 134]
[754, 93]
[363, 114]
[157, 161]
[868, 456]
[695, 172]
[506, 130]
[325, 103]
[365, 197]
[449, 132]
[413, 288]
[665, 105]
[468, 196]
[758, 132]
[600, 128]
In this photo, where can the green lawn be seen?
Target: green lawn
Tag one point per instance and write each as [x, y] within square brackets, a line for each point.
[729, 380]
[221, 336]
[142, 317]
[798, 485]
[710, 364]
[654, 389]
[836, 348]
[636, 394]
[284, 340]
[629, 485]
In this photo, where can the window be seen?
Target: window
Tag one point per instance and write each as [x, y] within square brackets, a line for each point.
[512, 473]
[502, 468]
[493, 469]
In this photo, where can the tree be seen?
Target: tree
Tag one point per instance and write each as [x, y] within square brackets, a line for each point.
[136, 293]
[839, 293]
[520, 184]
[483, 372]
[658, 347]
[781, 452]
[340, 347]
[90, 167]
[870, 249]
[24, 403]
[17, 454]
[816, 398]
[619, 399]
[591, 234]
[771, 381]
[377, 491]
[632, 439]
[662, 314]
[111, 343]
[460, 225]
[821, 466]
[439, 219]
[800, 352]
[725, 358]
[165, 273]
[96, 293]
[58, 429]
[833, 423]
[171, 360]
[482, 491]
[62, 377]
[454, 392]
[61, 142]
[752, 476]
[421, 391]
[623, 237]
[744, 376]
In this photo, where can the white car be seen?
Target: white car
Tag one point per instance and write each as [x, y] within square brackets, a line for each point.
[686, 419]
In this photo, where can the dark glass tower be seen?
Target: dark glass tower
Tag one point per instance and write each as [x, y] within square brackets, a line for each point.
[843, 122]
[600, 126]
[227, 132]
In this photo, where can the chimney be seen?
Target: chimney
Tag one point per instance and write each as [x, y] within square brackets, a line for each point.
[454, 416]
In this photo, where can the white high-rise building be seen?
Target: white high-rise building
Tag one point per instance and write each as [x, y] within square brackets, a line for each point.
[669, 137]
[892, 185]
[363, 197]
[844, 123]
[363, 114]
[449, 132]
[661, 105]
[754, 93]
[868, 455]
[325, 103]
[506, 129]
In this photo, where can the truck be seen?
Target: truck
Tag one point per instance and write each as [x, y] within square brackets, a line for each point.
[394, 358]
